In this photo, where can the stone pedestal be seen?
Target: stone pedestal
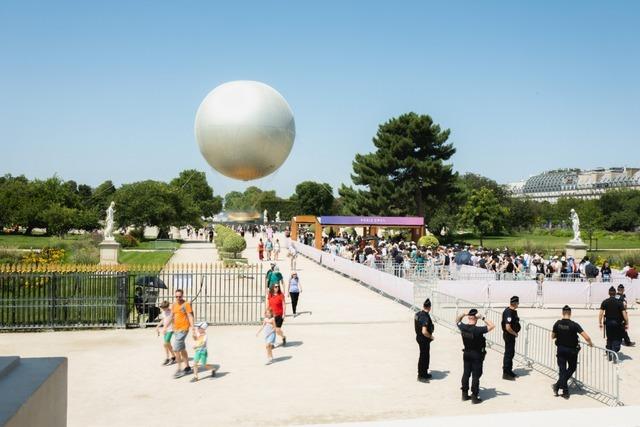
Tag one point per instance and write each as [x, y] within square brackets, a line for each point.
[576, 249]
[109, 252]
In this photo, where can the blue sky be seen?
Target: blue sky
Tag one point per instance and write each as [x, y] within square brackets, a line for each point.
[108, 90]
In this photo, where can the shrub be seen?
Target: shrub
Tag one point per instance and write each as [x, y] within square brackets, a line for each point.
[234, 243]
[86, 255]
[137, 233]
[10, 257]
[44, 256]
[127, 241]
[427, 241]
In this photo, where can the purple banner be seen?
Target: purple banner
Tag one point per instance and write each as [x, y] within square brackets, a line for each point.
[373, 220]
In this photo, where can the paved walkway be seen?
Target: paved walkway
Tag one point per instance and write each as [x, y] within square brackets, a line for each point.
[352, 357]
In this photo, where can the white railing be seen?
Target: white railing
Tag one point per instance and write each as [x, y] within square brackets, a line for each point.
[597, 371]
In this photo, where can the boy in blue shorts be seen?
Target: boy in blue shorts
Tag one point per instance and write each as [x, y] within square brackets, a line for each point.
[167, 332]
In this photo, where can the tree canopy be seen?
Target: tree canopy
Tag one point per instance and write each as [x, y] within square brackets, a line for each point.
[406, 174]
[314, 198]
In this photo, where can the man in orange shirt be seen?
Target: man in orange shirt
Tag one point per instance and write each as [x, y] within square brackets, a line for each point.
[182, 324]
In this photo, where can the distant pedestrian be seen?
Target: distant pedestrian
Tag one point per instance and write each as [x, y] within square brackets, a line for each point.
[260, 250]
[423, 326]
[278, 306]
[269, 327]
[201, 352]
[294, 291]
[268, 247]
[276, 250]
[510, 328]
[166, 324]
[632, 273]
[622, 297]
[565, 332]
[474, 352]
[182, 315]
[293, 256]
[613, 317]
[275, 278]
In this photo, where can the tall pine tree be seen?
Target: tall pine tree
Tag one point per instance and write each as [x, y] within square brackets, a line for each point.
[407, 174]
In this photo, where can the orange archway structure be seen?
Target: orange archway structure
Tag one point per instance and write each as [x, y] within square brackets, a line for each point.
[370, 223]
[298, 220]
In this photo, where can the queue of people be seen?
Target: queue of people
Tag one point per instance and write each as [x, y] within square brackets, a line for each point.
[405, 257]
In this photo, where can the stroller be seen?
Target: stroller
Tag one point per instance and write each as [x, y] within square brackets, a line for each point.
[145, 299]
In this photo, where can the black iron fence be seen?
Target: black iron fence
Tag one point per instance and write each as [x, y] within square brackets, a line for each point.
[81, 296]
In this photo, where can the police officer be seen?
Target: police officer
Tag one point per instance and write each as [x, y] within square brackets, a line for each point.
[622, 297]
[474, 352]
[613, 317]
[510, 328]
[424, 335]
[565, 332]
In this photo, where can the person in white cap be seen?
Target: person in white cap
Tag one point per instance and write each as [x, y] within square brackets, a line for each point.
[200, 347]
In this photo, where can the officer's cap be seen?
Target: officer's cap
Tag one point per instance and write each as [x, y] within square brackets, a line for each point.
[514, 299]
[612, 289]
[566, 308]
[620, 286]
[427, 303]
[472, 312]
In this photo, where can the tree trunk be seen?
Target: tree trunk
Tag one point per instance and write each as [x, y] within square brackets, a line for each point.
[419, 203]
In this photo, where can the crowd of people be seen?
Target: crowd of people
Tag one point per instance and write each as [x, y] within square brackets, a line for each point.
[407, 257]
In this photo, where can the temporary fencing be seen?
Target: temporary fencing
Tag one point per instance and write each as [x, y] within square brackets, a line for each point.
[597, 371]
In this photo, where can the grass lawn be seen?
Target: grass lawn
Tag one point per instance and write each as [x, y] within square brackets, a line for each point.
[19, 241]
[156, 257]
[549, 242]
[158, 244]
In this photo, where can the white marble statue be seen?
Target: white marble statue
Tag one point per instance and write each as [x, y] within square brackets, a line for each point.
[278, 216]
[265, 218]
[108, 227]
[575, 224]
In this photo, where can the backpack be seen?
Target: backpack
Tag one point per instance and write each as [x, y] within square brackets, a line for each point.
[591, 270]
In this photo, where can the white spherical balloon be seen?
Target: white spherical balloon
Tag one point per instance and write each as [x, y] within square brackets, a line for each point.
[245, 129]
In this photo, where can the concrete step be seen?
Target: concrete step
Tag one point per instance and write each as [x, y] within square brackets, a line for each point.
[7, 364]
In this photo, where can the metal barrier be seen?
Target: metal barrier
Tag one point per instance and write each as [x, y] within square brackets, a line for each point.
[597, 372]
[90, 296]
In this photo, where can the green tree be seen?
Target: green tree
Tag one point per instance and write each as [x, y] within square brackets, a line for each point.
[591, 218]
[194, 184]
[406, 175]
[154, 203]
[483, 213]
[314, 198]
[59, 219]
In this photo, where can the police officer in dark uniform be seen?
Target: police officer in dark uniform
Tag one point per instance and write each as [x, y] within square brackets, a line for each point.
[622, 297]
[474, 352]
[424, 335]
[613, 317]
[565, 332]
[510, 328]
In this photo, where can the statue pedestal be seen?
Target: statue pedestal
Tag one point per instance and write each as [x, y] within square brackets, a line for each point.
[109, 252]
[576, 249]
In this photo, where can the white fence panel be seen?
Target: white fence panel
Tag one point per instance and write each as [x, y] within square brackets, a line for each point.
[500, 292]
[476, 291]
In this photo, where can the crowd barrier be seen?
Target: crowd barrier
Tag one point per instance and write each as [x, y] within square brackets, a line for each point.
[535, 347]
[532, 294]
[393, 285]
[596, 374]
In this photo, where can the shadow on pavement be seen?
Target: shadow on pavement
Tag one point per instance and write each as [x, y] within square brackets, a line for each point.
[220, 375]
[522, 372]
[439, 375]
[281, 359]
[293, 344]
[490, 393]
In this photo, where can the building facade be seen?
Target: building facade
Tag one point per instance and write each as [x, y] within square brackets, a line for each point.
[590, 184]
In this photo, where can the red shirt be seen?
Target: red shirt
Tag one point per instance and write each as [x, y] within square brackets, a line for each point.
[276, 304]
[632, 273]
